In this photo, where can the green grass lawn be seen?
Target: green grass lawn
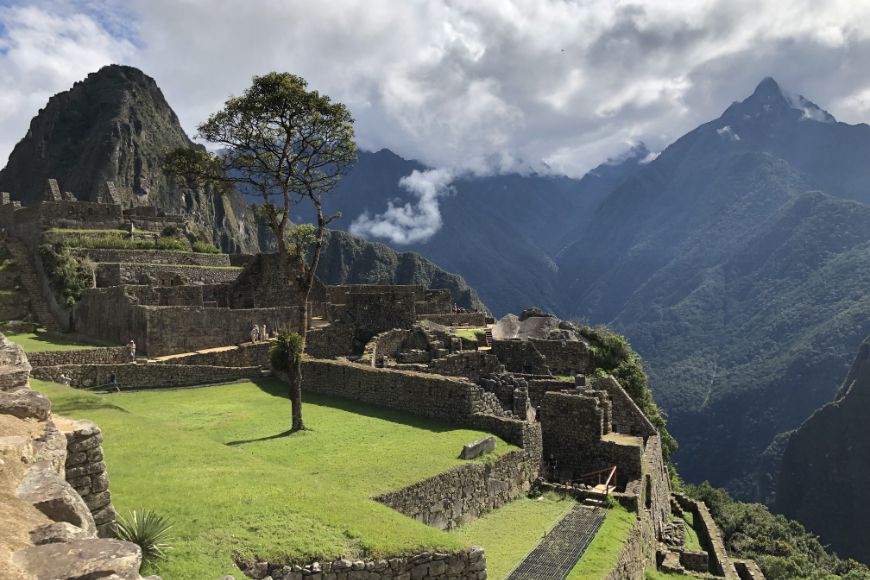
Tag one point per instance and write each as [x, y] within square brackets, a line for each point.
[602, 554]
[467, 333]
[509, 533]
[692, 543]
[41, 341]
[652, 574]
[212, 459]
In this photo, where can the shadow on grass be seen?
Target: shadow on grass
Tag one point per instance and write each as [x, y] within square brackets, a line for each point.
[286, 433]
[279, 389]
[85, 404]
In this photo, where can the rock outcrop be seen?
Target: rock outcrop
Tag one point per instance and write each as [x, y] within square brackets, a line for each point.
[47, 530]
[825, 474]
[116, 126]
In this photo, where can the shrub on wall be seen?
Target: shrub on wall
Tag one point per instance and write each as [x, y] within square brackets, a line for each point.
[68, 275]
[611, 354]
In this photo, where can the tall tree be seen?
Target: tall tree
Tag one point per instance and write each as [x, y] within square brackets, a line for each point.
[291, 146]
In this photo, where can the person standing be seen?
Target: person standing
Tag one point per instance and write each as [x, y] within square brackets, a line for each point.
[131, 350]
[255, 333]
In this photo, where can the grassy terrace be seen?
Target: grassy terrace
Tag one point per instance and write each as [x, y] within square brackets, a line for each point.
[40, 342]
[508, 534]
[212, 459]
[602, 554]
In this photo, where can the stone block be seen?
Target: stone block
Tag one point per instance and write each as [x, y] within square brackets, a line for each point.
[25, 404]
[54, 497]
[101, 558]
[58, 532]
[478, 448]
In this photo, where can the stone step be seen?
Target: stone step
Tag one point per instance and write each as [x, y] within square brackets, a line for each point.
[560, 550]
[31, 283]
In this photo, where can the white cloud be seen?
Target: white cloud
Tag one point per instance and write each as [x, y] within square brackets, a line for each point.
[42, 53]
[409, 223]
[490, 85]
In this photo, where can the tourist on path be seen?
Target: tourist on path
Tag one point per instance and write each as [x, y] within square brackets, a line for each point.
[255, 333]
[131, 350]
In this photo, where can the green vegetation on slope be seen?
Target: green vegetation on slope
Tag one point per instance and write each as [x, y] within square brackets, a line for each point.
[601, 555]
[612, 354]
[783, 548]
[214, 461]
[692, 543]
[509, 533]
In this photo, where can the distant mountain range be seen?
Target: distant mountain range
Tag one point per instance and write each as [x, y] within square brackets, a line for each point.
[736, 262]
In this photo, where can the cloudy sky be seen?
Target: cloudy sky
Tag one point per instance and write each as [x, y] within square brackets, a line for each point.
[474, 85]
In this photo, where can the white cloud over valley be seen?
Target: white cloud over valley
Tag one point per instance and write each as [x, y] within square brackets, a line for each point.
[469, 86]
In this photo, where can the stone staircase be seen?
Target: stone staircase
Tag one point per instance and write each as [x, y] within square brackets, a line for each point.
[559, 551]
[30, 281]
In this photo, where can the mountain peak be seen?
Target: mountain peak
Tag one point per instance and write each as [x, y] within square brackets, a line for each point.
[770, 101]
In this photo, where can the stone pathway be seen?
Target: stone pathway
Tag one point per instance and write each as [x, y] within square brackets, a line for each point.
[558, 552]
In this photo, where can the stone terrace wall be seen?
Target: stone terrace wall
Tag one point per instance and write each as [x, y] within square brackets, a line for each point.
[656, 492]
[627, 416]
[426, 395]
[637, 553]
[117, 274]
[520, 356]
[709, 536]
[86, 473]
[155, 257]
[467, 565]
[94, 356]
[387, 343]
[476, 319]
[146, 376]
[465, 493]
[243, 355]
[564, 357]
[337, 339]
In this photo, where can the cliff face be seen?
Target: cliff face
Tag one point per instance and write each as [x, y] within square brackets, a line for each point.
[825, 470]
[115, 125]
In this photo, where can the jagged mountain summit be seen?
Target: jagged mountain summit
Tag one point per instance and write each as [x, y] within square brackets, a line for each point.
[740, 284]
[115, 125]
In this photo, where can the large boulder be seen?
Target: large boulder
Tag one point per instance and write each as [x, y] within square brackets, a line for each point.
[25, 404]
[14, 368]
[54, 497]
[103, 558]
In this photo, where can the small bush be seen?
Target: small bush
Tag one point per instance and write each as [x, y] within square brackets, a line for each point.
[204, 247]
[286, 351]
[119, 243]
[148, 530]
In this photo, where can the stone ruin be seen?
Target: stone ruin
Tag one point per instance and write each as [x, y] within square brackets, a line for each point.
[58, 516]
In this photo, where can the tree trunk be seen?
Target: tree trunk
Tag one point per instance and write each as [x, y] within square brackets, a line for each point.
[296, 376]
[296, 394]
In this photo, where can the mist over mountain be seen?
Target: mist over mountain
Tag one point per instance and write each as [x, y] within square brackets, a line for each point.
[743, 290]
[502, 232]
[734, 262]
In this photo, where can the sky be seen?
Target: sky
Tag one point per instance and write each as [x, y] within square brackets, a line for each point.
[473, 86]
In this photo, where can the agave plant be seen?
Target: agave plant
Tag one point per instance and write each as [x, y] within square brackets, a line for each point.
[149, 530]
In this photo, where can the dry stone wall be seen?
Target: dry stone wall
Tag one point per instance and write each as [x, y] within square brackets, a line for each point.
[466, 565]
[445, 398]
[147, 375]
[244, 355]
[564, 357]
[86, 473]
[476, 319]
[118, 274]
[465, 493]
[96, 356]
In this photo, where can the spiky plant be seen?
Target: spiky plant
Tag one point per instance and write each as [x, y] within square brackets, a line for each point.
[149, 530]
